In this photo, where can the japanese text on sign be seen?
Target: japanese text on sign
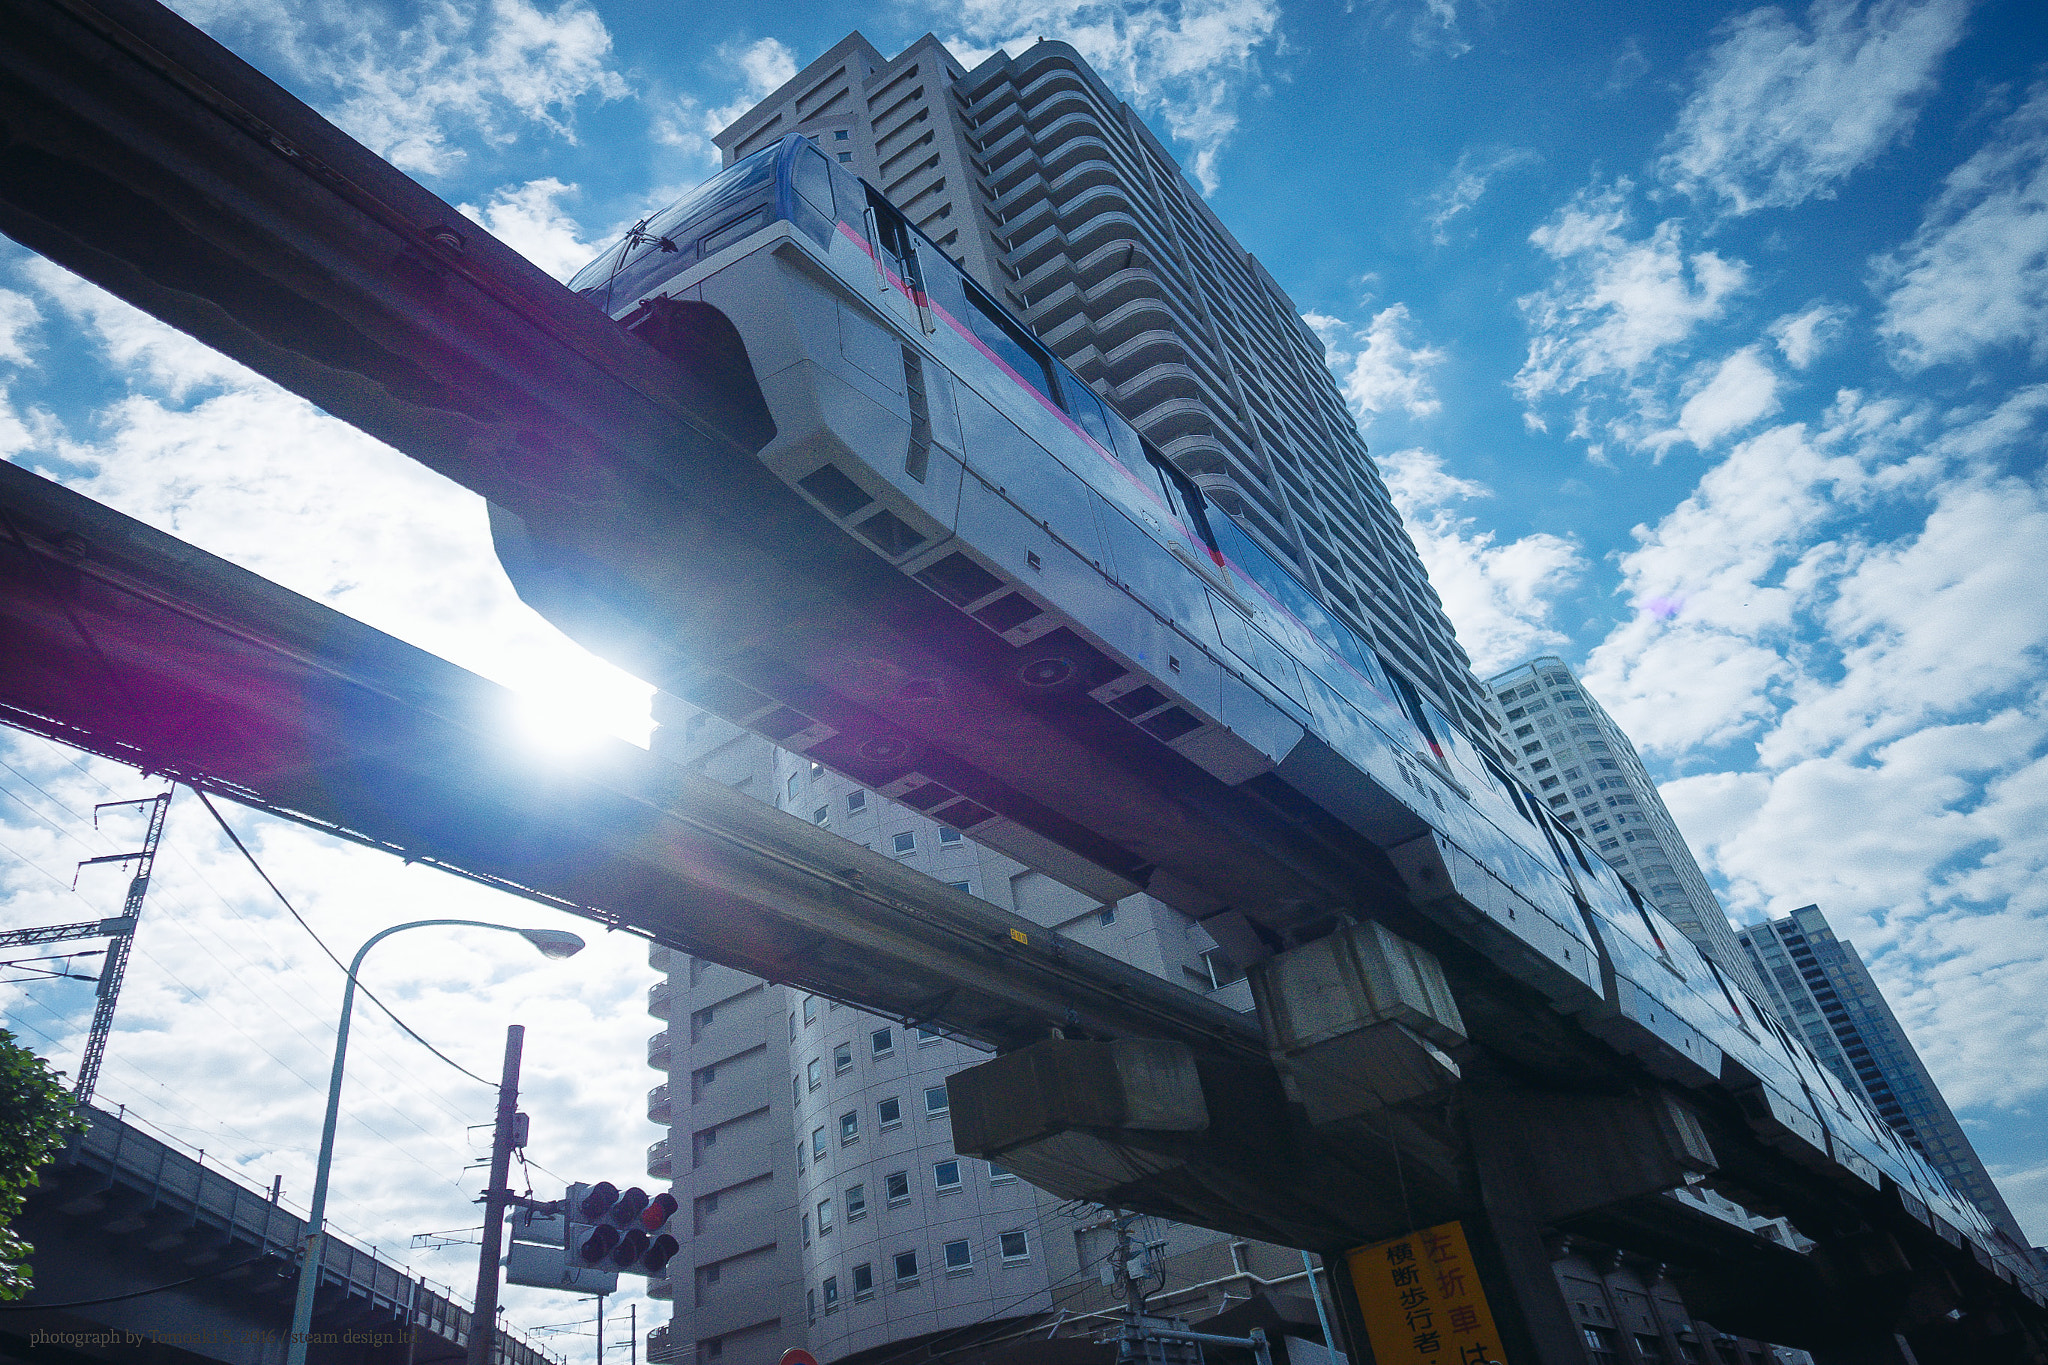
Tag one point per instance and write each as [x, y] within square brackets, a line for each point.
[1422, 1300]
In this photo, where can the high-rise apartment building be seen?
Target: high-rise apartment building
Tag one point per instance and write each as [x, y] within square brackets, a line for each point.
[1819, 985]
[1578, 760]
[1049, 190]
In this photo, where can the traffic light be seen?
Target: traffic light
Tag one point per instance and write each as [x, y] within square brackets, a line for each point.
[619, 1232]
[539, 1257]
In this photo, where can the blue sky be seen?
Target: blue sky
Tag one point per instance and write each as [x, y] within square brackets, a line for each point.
[1702, 345]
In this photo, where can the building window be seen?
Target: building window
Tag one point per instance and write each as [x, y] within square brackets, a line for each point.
[890, 1112]
[1650, 1348]
[1599, 1344]
[814, 1072]
[906, 1268]
[807, 1237]
[935, 1102]
[842, 1057]
[882, 1042]
[906, 842]
[831, 1293]
[959, 1256]
[824, 1216]
[927, 1037]
[856, 1202]
[1107, 916]
[1524, 731]
[1546, 784]
[849, 1127]
[1532, 747]
[810, 1008]
[863, 1281]
[998, 1176]
[968, 887]
[946, 1175]
[948, 836]
[845, 158]
[896, 1187]
[856, 800]
[818, 1144]
[794, 780]
[839, 135]
[1016, 1246]
[822, 817]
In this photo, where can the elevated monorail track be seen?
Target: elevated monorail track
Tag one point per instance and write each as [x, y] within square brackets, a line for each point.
[143, 156]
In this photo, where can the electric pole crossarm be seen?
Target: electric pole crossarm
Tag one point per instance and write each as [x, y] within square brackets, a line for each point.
[64, 933]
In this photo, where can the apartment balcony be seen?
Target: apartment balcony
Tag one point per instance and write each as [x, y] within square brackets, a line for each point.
[658, 1164]
[661, 998]
[657, 1104]
[659, 1289]
[657, 1051]
[659, 957]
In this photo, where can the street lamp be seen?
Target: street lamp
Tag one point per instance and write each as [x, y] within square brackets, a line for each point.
[553, 943]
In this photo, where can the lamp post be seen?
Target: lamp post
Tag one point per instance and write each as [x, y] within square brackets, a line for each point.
[552, 943]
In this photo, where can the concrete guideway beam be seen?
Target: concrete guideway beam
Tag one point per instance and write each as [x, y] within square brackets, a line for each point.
[124, 641]
[146, 157]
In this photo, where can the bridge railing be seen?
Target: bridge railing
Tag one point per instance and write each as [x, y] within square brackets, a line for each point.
[123, 1156]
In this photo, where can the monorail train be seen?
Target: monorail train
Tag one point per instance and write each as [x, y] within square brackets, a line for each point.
[953, 573]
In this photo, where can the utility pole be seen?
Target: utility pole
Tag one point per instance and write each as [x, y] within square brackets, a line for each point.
[633, 1326]
[483, 1322]
[117, 949]
[600, 1329]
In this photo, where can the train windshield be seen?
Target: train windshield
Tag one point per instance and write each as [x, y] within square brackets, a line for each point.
[730, 205]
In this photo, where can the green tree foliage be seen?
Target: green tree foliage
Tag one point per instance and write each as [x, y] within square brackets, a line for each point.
[37, 1117]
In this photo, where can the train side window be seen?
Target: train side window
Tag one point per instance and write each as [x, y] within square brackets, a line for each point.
[1125, 442]
[1011, 344]
[1086, 409]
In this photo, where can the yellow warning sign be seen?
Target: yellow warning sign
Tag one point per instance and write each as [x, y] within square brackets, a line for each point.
[1422, 1300]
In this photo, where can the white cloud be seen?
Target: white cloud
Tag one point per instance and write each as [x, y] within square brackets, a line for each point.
[18, 317]
[1467, 182]
[1385, 372]
[767, 66]
[409, 91]
[1783, 114]
[1497, 596]
[529, 218]
[1974, 277]
[1802, 336]
[763, 67]
[1715, 585]
[1187, 62]
[1615, 302]
[1742, 390]
[1841, 634]
[1435, 29]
